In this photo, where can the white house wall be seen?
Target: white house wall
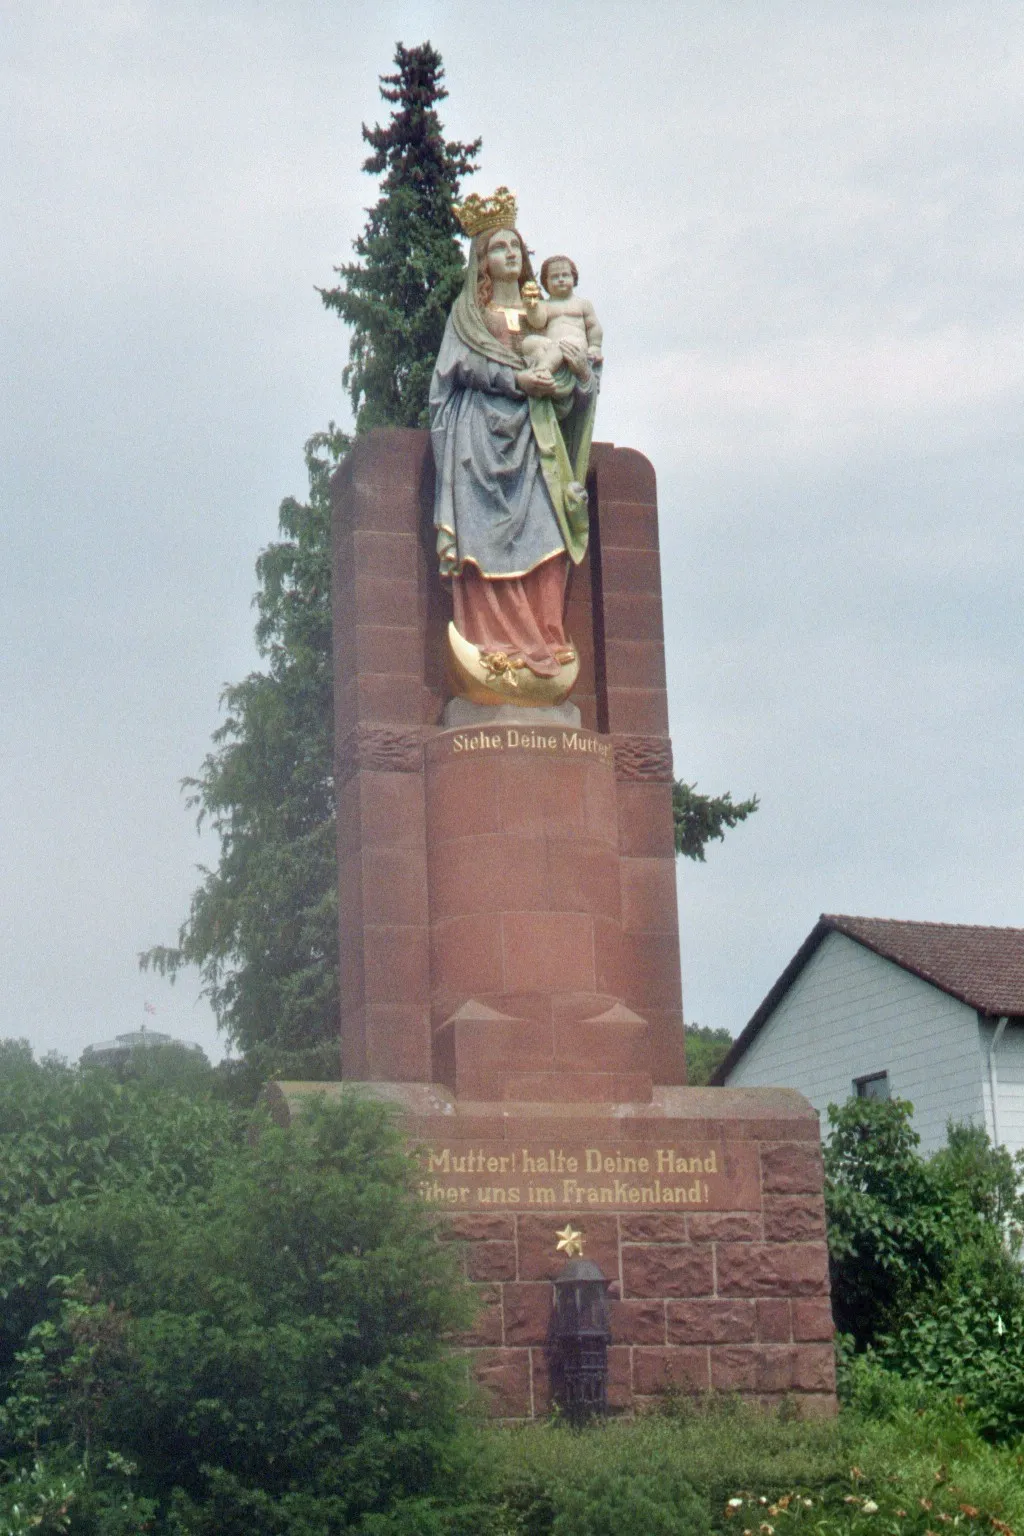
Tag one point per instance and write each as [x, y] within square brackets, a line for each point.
[850, 1013]
[1009, 1080]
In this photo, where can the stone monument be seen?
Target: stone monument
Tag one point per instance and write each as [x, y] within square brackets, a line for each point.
[509, 945]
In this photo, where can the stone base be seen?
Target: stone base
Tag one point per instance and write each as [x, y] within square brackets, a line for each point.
[704, 1207]
[463, 712]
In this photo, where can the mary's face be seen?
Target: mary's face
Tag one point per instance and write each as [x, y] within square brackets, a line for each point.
[504, 255]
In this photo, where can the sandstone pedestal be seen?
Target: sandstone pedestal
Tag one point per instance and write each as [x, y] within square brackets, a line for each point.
[510, 969]
[704, 1208]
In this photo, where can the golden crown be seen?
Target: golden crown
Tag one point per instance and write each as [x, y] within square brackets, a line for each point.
[478, 214]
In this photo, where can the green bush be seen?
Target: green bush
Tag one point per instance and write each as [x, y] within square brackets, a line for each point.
[925, 1258]
[238, 1333]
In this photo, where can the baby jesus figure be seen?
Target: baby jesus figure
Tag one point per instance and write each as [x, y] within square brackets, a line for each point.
[562, 317]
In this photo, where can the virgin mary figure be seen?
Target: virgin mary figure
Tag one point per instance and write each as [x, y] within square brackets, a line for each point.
[511, 444]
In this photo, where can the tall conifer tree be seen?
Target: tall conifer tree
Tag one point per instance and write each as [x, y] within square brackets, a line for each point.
[262, 926]
[396, 299]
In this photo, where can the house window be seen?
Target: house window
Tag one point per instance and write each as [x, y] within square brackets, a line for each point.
[875, 1086]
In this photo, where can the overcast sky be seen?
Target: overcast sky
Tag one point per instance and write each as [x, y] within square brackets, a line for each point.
[801, 225]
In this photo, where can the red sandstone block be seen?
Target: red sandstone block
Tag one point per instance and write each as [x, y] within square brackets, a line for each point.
[723, 1227]
[471, 1128]
[584, 877]
[387, 484]
[793, 1218]
[789, 1170]
[486, 1326]
[390, 700]
[638, 711]
[466, 956]
[348, 805]
[634, 525]
[491, 1261]
[504, 1375]
[812, 1321]
[667, 1228]
[814, 1369]
[623, 474]
[384, 601]
[397, 1042]
[387, 648]
[540, 955]
[489, 870]
[667, 1271]
[755, 1269]
[353, 1045]
[391, 809]
[633, 616]
[567, 1086]
[638, 1322]
[538, 1259]
[671, 1369]
[527, 1312]
[618, 1047]
[648, 896]
[620, 1394]
[396, 963]
[601, 806]
[645, 820]
[394, 882]
[463, 1226]
[609, 959]
[753, 1368]
[586, 700]
[629, 570]
[805, 1129]
[650, 971]
[386, 556]
[542, 797]
[668, 1048]
[504, 1042]
[462, 798]
[547, 1126]
[540, 1371]
[710, 1322]
[773, 1322]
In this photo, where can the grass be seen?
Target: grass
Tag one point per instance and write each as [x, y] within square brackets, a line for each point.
[726, 1468]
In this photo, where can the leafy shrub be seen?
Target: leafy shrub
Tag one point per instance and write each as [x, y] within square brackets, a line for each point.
[255, 1326]
[925, 1258]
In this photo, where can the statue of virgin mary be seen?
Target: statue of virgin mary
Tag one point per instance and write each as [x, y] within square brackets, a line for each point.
[511, 444]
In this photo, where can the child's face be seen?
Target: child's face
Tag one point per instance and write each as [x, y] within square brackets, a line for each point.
[560, 281]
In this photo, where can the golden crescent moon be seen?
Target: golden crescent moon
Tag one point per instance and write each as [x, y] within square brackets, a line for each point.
[493, 681]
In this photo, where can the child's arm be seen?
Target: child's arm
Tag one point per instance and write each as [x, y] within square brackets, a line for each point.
[595, 331]
[536, 309]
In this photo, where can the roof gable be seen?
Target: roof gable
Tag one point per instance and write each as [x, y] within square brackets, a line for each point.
[982, 967]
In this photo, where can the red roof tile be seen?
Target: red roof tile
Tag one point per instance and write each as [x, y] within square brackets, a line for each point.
[983, 967]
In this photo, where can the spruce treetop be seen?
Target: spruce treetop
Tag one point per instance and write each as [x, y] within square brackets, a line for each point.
[397, 295]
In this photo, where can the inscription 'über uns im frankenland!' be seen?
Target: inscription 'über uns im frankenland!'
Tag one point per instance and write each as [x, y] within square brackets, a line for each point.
[611, 1177]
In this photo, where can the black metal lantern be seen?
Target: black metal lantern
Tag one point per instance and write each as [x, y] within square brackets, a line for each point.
[580, 1332]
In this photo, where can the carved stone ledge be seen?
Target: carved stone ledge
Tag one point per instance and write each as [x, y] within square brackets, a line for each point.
[643, 757]
[382, 748]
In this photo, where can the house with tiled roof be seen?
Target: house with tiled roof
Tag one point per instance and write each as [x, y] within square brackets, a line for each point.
[880, 1008]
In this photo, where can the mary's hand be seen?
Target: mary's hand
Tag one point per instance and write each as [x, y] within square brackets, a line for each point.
[536, 381]
[576, 357]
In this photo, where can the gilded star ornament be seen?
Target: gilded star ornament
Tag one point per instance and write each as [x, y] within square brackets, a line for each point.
[570, 1242]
